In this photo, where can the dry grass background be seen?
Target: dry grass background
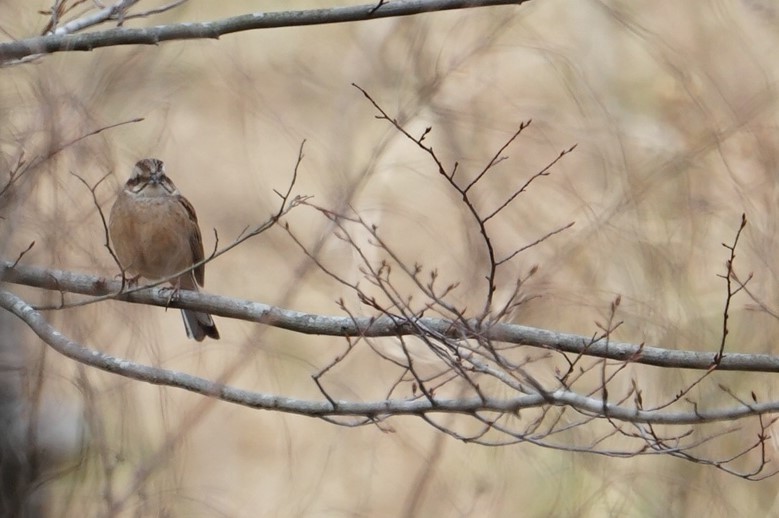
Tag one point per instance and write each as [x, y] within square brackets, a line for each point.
[673, 107]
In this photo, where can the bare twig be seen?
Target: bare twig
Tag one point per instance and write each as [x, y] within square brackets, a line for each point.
[23, 166]
[497, 158]
[731, 292]
[22, 253]
[542, 172]
[106, 234]
[536, 242]
[479, 219]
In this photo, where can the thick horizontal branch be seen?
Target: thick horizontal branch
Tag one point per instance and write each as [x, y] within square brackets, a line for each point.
[187, 31]
[371, 410]
[384, 326]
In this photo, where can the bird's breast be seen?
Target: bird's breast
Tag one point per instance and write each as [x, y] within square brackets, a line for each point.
[151, 236]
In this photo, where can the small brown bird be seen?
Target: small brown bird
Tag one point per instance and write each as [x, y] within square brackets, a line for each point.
[155, 235]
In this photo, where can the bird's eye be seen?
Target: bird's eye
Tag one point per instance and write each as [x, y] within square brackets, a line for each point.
[136, 183]
[167, 184]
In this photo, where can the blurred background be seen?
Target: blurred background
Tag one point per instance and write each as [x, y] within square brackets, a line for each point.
[673, 106]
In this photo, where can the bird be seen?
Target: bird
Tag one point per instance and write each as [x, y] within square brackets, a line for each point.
[155, 234]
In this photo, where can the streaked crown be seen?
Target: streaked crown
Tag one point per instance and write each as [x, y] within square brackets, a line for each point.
[149, 179]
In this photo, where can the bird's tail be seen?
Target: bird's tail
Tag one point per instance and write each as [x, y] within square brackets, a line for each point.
[199, 325]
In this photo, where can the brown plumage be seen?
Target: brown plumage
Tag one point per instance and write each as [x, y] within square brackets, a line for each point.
[155, 234]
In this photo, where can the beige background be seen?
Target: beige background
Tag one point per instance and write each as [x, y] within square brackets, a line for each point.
[672, 105]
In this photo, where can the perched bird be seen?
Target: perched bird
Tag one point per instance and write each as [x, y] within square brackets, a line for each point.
[155, 234]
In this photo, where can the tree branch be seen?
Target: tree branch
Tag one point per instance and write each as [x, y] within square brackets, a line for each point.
[187, 31]
[385, 326]
[420, 407]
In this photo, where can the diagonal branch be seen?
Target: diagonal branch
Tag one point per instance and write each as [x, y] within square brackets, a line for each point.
[213, 30]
